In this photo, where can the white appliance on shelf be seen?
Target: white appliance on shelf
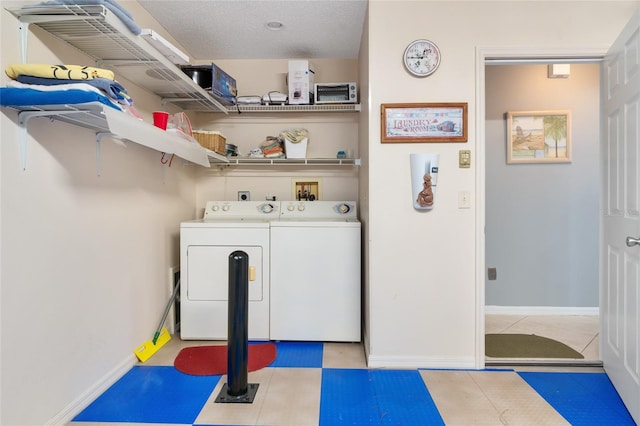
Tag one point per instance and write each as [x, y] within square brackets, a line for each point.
[315, 272]
[205, 247]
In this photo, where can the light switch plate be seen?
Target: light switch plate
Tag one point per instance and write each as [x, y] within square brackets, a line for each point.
[464, 158]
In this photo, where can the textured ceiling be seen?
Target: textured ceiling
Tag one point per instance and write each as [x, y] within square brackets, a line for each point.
[236, 29]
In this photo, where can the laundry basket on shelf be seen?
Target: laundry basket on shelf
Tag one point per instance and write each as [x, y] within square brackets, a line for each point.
[212, 140]
[295, 142]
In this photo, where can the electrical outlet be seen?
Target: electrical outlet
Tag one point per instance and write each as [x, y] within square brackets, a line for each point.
[464, 200]
[244, 196]
[492, 274]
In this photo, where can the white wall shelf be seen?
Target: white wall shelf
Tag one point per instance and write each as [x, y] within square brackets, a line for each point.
[219, 160]
[106, 121]
[294, 108]
[97, 32]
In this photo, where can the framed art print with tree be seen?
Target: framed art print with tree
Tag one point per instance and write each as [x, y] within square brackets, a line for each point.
[539, 137]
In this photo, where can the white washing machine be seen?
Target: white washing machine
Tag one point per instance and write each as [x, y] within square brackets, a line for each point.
[205, 246]
[315, 272]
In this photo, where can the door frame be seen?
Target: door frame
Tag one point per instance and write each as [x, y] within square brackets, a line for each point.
[514, 55]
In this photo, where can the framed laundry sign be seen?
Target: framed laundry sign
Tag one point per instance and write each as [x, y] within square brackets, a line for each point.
[423, 122]
[538, 136]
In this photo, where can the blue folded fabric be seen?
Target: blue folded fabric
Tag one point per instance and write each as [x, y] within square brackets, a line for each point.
[17, 97]
[122, 13]
[112, 88]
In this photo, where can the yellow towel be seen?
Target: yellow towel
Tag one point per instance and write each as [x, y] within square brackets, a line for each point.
[62, 72]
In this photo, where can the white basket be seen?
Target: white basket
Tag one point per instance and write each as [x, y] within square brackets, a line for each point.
[296, 150]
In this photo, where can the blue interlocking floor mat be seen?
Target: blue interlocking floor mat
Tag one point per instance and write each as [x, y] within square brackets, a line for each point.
[583, 399]
[298, 355]
[375, 397]
[152, 395]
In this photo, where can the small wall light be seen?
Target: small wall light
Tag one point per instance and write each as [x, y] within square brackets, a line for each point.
[274, 25]
[558, 70]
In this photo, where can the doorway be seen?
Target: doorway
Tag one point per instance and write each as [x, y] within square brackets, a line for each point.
[535, 213]
[546, 266]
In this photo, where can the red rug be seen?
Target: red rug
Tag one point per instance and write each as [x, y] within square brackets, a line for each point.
[212, 360]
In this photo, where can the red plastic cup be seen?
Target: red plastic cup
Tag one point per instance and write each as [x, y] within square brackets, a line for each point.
[160, 119]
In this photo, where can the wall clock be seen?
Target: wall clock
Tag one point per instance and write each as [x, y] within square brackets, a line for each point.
[421, 58]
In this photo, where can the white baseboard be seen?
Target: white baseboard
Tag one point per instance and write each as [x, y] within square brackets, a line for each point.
[412, 362]
[541, 310]
[75, 407]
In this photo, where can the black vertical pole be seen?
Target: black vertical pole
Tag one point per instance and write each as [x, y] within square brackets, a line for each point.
[236, 388]
[238, 324]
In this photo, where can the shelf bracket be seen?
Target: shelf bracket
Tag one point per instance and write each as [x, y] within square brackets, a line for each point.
[99, 136]
[23, 120]
[23, 147]
[24, 38]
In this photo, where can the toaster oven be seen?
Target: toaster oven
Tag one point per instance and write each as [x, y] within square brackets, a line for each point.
[335, 93]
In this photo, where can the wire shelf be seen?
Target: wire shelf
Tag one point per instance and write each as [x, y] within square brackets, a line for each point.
[295, 108]
[97, 32]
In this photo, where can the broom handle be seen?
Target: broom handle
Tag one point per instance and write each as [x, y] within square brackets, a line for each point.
[166, 312]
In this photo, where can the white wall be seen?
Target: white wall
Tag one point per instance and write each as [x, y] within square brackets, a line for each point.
[421, 266]
[85, 258]
[542, 220]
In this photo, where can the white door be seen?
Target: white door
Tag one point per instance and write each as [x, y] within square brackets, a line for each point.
[620, 291]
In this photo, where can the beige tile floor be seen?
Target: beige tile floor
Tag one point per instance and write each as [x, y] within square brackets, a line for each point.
[488, 398]
[292, 396]
[580, 332]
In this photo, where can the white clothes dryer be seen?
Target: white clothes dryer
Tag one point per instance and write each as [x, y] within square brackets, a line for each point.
[316, 272]
[205, 246]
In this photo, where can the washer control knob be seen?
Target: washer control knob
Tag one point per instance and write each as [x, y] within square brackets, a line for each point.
[215, 208]
[301, 207]
[225, 207]
[266, 208]
[344, 208]
[290, 207]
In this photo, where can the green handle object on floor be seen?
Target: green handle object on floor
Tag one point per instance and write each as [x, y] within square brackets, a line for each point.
[166, 312]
